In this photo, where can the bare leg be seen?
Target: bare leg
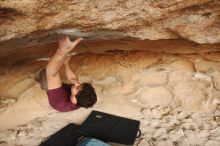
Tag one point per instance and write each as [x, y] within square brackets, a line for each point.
[42, 79]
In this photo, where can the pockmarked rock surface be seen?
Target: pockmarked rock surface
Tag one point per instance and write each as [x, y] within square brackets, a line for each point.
[157, 96]
[156, 61]
[196, 20]
[175, 102]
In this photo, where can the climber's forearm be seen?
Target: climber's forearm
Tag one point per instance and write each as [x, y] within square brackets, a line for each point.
[72, 77]
[55, 64]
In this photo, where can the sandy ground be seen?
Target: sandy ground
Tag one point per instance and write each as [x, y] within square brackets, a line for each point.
[176, 97]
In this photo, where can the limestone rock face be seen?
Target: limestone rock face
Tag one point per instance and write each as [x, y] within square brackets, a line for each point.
[156, 61]
[195, 20]
[151, 78]
[158, 96]
[216, 77]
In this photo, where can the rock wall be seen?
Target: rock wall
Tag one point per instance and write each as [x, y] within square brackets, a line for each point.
[195, 20]
[154, 61]
[176, 97]
[134, 79]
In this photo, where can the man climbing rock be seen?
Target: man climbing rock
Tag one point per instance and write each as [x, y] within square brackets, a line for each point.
[66, 97]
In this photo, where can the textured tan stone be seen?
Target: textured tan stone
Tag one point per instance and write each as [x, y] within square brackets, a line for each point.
[177, 77]
[151, 78]
[183, 65]
[190, 95]
[196, 20]
[20, 87]
[158, 96]
[179, 70]
[207, 66]
[163, 106]
[216, 79]
[215, 56]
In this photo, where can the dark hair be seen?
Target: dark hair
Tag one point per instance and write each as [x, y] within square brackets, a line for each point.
[86, 97]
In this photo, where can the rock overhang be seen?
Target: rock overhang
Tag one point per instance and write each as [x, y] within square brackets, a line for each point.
[29, 29]
[197, 21]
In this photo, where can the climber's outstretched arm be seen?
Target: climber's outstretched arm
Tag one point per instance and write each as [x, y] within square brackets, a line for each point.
[57, 60]
[71, 76]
